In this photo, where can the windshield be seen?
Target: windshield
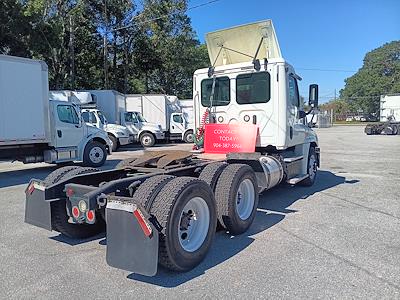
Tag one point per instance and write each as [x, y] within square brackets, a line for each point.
[130, 117]
[222, 91]
[140, 117]
[102, 118]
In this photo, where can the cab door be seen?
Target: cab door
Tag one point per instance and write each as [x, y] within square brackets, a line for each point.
[297, 129]
[177, 125]
[69, 128]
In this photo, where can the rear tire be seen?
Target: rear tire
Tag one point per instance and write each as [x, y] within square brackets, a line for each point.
[95, 154]
[236, 195]
[60, 217]
[185, 209]
[211, 173]
[149, 189]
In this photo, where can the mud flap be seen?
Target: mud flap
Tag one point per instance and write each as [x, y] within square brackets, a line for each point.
[132, 240]
[37, 208]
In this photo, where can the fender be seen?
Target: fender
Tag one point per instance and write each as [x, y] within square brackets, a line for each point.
[89, 138]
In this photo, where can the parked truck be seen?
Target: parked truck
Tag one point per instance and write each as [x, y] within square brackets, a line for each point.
[389, 114]
[162, 208]
[159, 109]
[114, 106]
[93, 116]
[36, 129]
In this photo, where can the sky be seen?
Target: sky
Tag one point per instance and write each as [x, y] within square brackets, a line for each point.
[327, 35]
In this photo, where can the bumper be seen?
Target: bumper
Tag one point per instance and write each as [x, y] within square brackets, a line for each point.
[159, 135]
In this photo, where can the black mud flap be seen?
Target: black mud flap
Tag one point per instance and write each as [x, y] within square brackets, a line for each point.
[37, 208]
[132, 240]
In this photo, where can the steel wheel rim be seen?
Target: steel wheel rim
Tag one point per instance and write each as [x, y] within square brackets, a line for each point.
[190, 138]
[96, 155]
[194, 223]
[312, 168]
[245, 199]
[146, 140]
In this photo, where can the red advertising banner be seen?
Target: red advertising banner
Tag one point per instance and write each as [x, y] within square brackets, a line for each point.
[226, 138]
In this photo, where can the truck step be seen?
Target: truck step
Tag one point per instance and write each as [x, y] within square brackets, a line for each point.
[292, 159]
[297, 179]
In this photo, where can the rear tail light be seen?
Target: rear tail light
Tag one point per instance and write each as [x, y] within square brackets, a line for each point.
[31, 188]
[75, 212]
[143, 223]
[90, 215]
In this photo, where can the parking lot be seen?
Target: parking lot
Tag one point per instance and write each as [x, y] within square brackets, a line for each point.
[337, 239]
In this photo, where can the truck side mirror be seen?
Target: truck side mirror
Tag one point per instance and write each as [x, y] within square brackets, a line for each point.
[313, 96]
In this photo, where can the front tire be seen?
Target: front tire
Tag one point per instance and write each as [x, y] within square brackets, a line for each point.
[185, 209]
[147, 139]
[311, 168]
[95, 154]
[189, 137]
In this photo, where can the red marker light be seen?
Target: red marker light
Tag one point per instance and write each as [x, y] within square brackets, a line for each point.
[70, 192]
[143, 223]
[75, 212]
[31, 188]
[90, 215]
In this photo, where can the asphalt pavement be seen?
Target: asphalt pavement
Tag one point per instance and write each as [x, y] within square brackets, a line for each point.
[337, 239]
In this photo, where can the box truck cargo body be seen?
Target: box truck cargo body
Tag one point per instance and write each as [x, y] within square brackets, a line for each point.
[164, 111]
[36, 129]
[24, 91]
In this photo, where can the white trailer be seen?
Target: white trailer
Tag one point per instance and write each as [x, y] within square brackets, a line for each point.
[34, 129]
[389, 117]
[390, 107]
[159, 109]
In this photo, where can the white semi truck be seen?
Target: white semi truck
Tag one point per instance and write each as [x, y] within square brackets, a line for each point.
[163, 208]
[93, 116]
[160, 110]
[35, 129]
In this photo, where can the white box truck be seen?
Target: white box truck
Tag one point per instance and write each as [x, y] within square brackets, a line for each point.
[93, 115]
[113, 105]
[35, 129]
[158, 109]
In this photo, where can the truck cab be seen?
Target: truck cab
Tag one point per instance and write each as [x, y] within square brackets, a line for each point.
[72, 139]
[144, 132]
[180, 128]
[119, 135]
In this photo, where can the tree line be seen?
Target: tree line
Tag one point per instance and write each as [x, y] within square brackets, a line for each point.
[146, 46]
[379, 75]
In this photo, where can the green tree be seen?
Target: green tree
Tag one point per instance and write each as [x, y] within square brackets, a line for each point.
[380, 74]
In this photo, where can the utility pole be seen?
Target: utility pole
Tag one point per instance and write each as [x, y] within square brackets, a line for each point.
[105, 52]
[72, 52]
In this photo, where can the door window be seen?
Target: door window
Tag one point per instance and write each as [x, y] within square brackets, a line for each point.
[293, 92]
[253, 88]
[222, 91]
[177, 119]
[85, 116]
[67, 114]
